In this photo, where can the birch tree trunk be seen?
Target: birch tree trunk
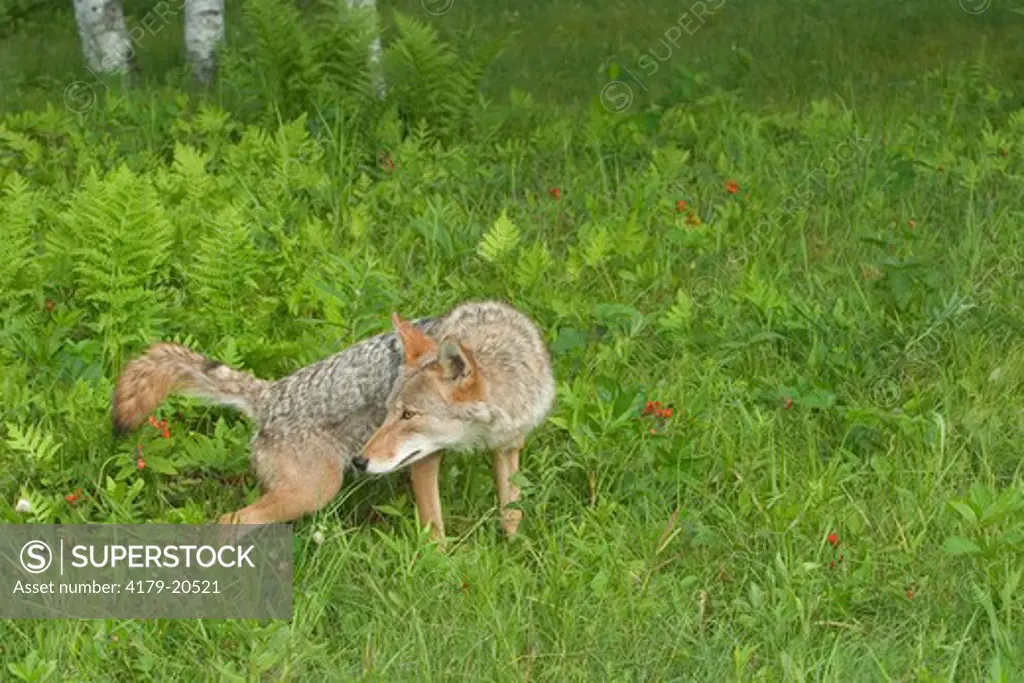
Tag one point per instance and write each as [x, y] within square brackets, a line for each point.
[375, 49]
[204, 33]
[104, 37]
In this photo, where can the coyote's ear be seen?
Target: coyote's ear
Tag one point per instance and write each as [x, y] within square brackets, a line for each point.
[414, 343]
[456, 362]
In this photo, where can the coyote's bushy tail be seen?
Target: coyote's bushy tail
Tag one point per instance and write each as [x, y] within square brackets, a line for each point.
[167, 369]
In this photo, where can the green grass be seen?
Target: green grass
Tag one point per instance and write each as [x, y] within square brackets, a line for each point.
[840, 340]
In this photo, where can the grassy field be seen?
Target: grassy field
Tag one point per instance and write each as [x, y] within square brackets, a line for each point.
[802, 234]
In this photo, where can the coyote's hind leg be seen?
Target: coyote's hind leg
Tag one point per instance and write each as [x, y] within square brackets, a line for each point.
[299, 477]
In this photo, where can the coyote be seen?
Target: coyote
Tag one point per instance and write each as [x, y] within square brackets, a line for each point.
[478, 377]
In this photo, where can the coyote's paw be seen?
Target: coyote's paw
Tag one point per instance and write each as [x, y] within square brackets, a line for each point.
[229, 518]
[228, 531]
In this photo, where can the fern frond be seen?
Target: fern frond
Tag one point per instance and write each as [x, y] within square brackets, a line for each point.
[501, 239]
[224, 273]
[679, 316]
[533, 266]
[32, 442]
[20, 208]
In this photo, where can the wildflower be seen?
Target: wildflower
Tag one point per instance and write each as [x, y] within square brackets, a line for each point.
[160, 426]
[655, 408]
[787, 403]
[140, 464]
[50, 305]
[318, 537]
[732, 187]
[73, 498]
[555, 193]
[680, 205]
[23, 506]
[833, 540]
[910, 594]
[693, 219]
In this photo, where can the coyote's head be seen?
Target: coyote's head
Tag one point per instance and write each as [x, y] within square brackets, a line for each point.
[431, 406]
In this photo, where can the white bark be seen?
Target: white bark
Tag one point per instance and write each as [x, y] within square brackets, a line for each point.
[104, 36]
[375, 49]
[204, 32]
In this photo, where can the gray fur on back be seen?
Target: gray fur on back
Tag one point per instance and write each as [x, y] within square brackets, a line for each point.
[341, 396]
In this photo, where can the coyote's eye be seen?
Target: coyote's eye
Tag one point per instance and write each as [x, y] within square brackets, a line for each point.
[407, 414]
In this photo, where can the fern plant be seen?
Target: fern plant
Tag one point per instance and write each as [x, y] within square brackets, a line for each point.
[223, 275]
[430, 81]
[501, 240]
[19, 214]
[111, 252]
[274, 65]
[284, 66]
[342, 47]
[38, 446]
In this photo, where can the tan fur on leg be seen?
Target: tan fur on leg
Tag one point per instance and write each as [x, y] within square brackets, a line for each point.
[294, 486]
[506, 463]
[424, 475]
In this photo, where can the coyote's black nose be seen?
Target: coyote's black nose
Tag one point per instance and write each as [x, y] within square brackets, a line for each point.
[360, 464]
